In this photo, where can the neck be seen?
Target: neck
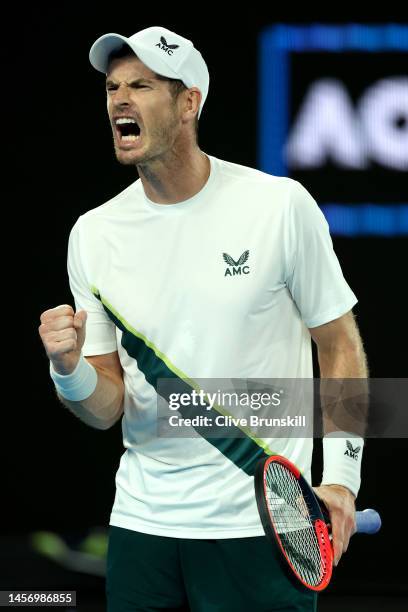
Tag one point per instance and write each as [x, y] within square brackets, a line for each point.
[175, 179]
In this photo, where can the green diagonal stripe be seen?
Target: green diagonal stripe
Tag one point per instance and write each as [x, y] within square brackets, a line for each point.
[243, 452]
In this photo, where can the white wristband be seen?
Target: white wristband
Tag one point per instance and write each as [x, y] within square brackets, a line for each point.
[78, 385]
[342, 453]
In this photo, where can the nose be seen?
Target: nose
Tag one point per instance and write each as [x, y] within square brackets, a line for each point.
[121, 97]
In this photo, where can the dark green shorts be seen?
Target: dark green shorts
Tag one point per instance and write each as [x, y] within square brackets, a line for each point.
[148, 573]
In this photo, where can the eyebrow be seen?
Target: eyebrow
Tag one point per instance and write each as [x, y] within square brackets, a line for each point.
[134, 82]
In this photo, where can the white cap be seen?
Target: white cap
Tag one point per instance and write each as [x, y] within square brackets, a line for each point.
[163, 51]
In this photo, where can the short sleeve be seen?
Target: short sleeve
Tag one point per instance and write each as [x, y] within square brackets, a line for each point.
[100, 330]
[314, 276]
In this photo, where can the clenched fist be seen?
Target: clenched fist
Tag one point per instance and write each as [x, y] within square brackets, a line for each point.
[62, 332]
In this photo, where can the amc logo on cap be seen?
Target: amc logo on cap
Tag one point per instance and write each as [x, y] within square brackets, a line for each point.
[165, 47]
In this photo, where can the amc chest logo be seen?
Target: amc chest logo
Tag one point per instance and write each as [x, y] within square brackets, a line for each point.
[236, 267]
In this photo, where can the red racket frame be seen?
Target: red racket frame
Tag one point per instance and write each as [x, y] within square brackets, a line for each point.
[316, 515]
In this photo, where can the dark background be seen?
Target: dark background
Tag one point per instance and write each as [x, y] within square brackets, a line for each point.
[58, 474]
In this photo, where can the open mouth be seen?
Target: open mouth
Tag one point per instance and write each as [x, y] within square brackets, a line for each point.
[128, 129]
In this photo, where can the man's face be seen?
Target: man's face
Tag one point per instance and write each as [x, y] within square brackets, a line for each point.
[134, 93]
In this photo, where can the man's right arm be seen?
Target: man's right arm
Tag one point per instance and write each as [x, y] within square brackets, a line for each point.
[63, 334]
[105, 406]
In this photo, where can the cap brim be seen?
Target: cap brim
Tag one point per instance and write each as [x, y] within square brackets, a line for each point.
[106, 44]
[103, 47]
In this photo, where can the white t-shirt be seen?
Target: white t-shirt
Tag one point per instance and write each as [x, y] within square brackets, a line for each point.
[162, 286]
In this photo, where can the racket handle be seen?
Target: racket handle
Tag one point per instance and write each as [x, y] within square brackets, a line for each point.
[368, 521]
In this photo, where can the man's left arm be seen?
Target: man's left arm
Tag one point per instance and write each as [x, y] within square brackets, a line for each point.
[341, 356]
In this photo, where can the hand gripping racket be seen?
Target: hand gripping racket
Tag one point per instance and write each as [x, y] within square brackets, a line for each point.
[297, 522]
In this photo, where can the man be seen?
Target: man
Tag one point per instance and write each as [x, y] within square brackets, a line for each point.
[200, 269]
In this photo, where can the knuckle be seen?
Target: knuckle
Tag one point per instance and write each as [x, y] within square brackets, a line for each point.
[68, 334]
[61, 312]
[46, 316]
[52, 313]
[72, 345]
[66, 308]
[64, 322]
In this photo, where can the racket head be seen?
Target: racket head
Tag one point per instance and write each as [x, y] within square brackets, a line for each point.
[293, 521]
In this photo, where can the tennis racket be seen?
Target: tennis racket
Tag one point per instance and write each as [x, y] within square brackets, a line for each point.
[298, 523]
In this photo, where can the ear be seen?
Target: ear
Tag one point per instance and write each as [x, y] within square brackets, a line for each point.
[192, 100]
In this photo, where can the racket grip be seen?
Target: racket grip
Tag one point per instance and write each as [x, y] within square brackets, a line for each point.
[368, 521]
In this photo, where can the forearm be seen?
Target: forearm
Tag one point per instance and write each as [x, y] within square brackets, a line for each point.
[344, 400]
[104, 407]
[343, 361]
[344, 403]
[344, 388]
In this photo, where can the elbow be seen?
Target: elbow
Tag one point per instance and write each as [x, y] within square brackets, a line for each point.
[107, 423]
[104, 425]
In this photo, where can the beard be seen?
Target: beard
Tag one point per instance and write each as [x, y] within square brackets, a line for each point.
[161, 140]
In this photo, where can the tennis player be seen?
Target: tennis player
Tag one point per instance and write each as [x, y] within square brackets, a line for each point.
[200, 268]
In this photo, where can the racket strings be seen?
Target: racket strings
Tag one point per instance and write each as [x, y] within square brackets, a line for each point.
[291, 519]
